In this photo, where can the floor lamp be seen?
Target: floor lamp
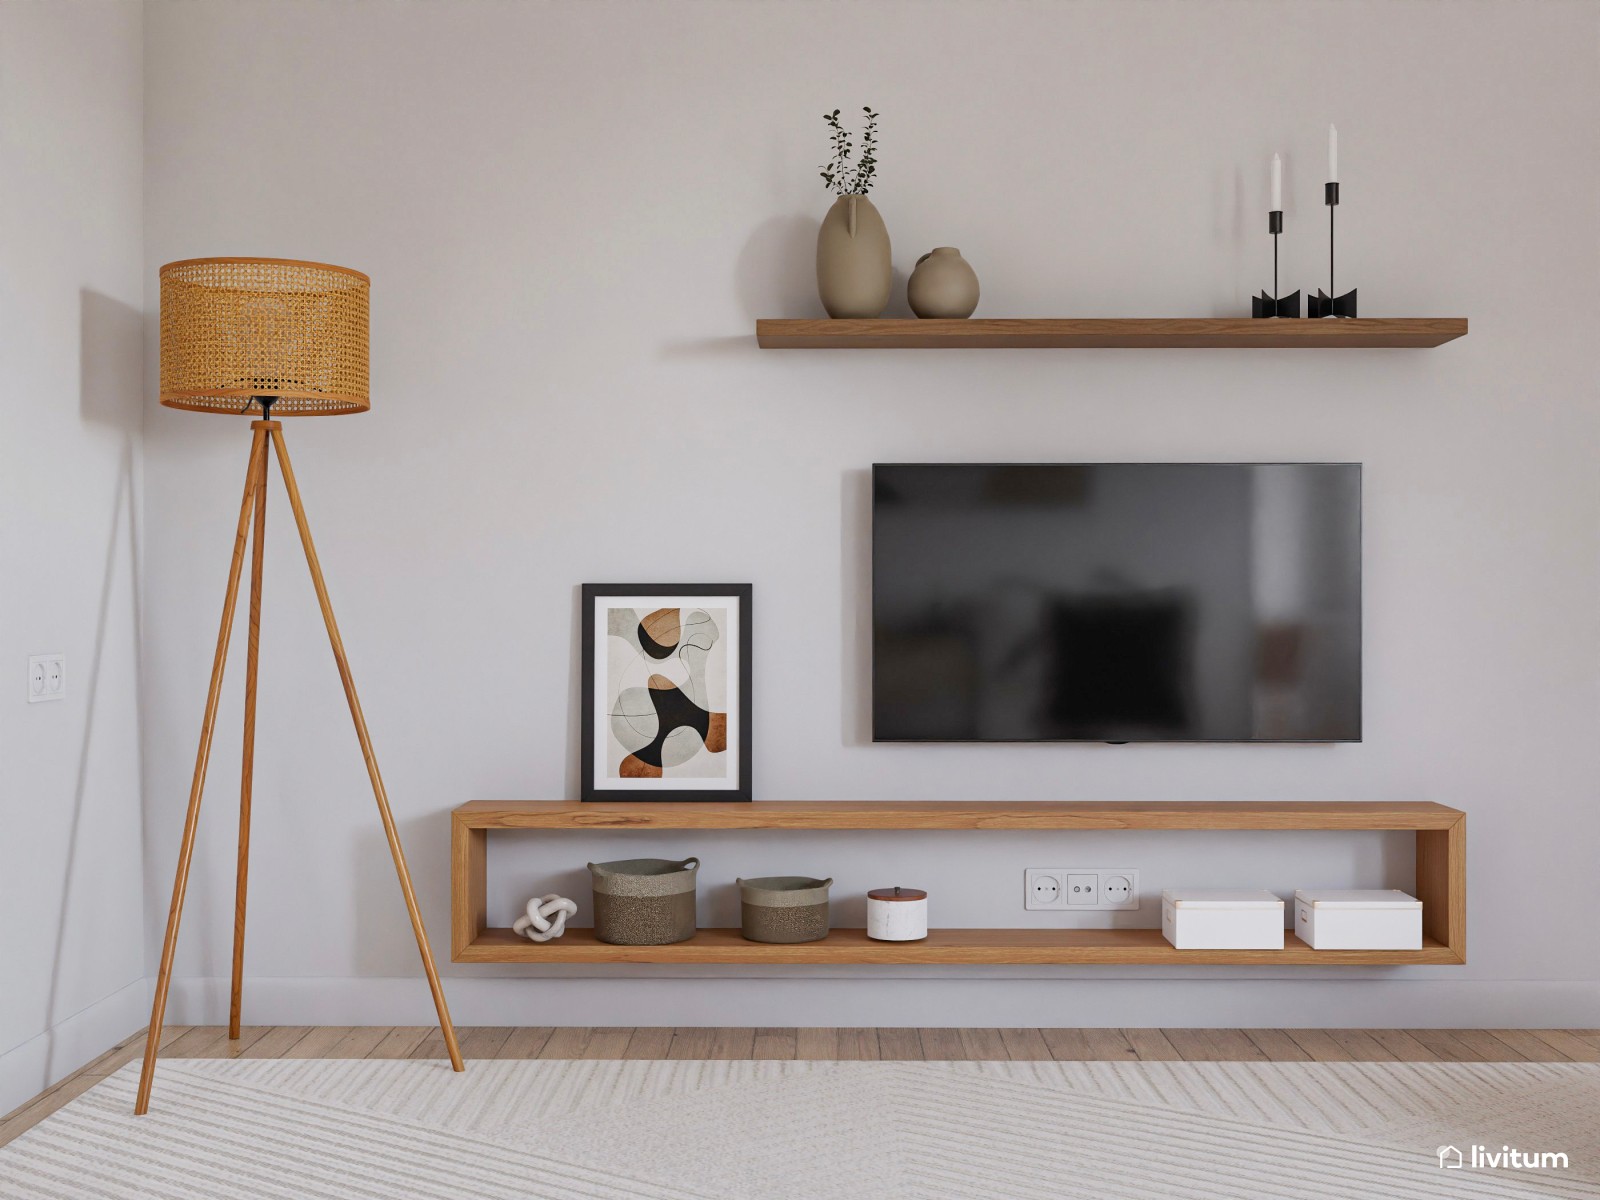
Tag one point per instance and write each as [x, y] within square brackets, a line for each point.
[273, 337]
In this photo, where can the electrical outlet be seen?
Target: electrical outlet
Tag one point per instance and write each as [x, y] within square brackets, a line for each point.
[47, 677]
[1082, 888]
[1116, 889]
[1041, 889]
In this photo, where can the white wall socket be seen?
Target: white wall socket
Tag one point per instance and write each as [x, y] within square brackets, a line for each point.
[1101, 888]
[47, 677]
[1044, 889]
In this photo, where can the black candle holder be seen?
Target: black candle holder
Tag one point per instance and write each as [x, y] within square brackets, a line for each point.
[1329, 304]
[1275, 305]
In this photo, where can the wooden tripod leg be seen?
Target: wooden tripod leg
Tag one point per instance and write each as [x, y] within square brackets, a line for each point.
[248, 753]
[158, 1011]
[445, 1027]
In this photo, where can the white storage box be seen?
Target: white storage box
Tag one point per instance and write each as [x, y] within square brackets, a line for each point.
[1213, 920]
[1358, 920]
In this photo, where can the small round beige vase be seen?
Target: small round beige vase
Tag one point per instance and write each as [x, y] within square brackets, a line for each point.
[854, 278]
[943, 285]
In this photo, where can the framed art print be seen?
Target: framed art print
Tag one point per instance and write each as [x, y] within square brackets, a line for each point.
[666, 691]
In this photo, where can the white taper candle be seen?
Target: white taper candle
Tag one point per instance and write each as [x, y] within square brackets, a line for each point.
[1277, 184]
[1333, 155]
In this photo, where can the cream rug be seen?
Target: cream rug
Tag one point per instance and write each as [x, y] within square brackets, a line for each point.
[380, 1130]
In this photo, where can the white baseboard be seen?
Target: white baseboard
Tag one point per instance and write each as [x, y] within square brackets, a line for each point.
[43, 1061]
[904, 1000]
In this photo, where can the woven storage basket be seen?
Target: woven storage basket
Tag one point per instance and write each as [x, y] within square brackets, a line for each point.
[236, 328]
[784, 908]
[644, 901]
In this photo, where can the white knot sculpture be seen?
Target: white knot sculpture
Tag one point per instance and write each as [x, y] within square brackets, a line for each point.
[546, 919]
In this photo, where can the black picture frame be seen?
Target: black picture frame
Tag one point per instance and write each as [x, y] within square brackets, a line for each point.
[739, 737]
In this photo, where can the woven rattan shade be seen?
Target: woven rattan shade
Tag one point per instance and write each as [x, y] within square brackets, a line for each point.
[236, 328]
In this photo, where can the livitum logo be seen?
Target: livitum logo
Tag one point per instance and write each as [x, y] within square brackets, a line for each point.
[1481, 1158]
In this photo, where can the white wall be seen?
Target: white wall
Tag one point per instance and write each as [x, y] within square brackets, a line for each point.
[71, 269]
[572, 215]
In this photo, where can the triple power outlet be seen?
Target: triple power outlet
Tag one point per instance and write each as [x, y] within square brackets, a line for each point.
[1100, 888]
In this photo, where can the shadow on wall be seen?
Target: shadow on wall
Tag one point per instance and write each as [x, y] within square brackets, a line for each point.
[775, 275]
[109, 334]
[384, 943]
[777, 272]
[574, 742]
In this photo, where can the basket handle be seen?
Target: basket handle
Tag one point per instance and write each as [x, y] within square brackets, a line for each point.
[690, 864]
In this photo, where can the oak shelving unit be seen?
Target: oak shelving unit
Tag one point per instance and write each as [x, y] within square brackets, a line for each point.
[996, 333]
[1441, 881]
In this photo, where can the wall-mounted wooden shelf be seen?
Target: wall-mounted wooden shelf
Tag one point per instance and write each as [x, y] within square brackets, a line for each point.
[1441, 881]
[955, 814]
[990, 333]
[942, 947]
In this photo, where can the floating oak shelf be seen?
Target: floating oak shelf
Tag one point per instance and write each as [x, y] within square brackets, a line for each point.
[1441, 881]
[1096, 333]
[1009, 947]
[954, 814]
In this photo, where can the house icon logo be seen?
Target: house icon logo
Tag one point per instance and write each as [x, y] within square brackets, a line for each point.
[1449, 1158]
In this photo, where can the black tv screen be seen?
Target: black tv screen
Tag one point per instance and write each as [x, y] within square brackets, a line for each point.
[1116, 602]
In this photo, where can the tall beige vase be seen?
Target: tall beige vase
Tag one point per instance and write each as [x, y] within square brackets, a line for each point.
[853, 273]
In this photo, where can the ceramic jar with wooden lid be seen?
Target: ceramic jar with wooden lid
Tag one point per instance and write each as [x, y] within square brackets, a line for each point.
[897, 914]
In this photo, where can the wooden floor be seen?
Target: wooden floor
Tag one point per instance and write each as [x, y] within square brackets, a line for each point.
[1127, 1045]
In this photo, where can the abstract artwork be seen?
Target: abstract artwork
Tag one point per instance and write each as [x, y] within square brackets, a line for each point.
[666, 692]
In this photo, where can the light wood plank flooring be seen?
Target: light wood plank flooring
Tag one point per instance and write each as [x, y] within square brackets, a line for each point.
[1205, 1045]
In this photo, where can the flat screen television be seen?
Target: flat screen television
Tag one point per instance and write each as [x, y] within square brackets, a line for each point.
[1116, 602]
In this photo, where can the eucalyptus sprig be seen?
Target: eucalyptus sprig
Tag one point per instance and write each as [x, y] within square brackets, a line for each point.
[839, 175]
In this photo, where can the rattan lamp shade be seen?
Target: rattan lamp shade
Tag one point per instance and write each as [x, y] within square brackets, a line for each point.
[233, 329]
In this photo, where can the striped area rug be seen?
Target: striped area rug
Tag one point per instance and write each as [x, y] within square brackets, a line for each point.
[388, 1130]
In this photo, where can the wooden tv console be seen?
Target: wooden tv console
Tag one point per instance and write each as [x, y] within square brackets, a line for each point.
[1441, 840]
